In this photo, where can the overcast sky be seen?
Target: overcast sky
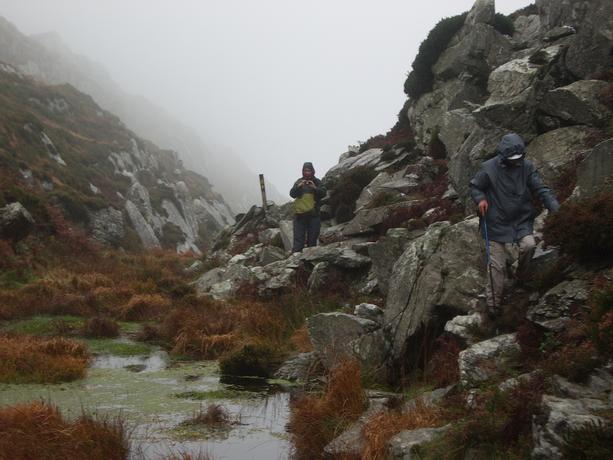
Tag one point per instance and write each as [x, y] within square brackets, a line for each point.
[278, 81]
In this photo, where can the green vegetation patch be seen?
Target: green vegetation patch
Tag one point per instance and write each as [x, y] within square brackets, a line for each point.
[118, 348]
[43, 325]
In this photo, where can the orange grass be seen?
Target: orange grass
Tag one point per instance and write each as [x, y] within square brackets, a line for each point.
[145, 306]
[25, 359]
[301, 340]
[380, 428]
[317, 420]
[38, 431]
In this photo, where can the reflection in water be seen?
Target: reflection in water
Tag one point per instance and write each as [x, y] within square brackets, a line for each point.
[147, 400]
[154, 362]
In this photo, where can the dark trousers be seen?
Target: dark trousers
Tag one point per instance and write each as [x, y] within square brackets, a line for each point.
[306, 228]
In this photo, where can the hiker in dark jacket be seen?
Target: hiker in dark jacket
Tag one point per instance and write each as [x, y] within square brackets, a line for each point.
[308, 192]
[502, 189]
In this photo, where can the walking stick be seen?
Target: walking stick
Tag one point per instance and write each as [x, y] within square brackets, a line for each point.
[489, 260]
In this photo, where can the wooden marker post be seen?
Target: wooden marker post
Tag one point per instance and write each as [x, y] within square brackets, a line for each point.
[263, 189]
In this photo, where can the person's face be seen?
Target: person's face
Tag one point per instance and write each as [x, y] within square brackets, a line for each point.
[307, 173]
[515, 162]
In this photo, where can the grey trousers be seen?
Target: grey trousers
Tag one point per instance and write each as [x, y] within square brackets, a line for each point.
[496, 271]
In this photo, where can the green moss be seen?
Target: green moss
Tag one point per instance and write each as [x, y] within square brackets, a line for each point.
[117, 347]
[42, 325]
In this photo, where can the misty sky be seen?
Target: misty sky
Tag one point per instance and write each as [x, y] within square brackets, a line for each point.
[278, 81]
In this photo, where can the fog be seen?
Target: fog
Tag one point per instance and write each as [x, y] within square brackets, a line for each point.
[278, 81]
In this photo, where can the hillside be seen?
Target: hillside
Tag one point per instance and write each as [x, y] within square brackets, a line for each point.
[47, 58]
[60, 149]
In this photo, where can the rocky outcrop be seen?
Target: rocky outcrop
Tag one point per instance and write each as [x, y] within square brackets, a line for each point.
[595, 172]
[485, 360]
[15, 222]
[572, 407]
[554, 308]
[437, 277]
[107, 226]
[579, 103]
[407, 444]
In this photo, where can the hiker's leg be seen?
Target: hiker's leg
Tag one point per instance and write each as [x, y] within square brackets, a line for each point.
[300, 229]
[495, 274]
[314, 226]
[527, 245]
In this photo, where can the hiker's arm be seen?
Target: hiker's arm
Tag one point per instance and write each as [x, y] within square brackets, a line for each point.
[544, 193]
[296, 190]
[478, 186]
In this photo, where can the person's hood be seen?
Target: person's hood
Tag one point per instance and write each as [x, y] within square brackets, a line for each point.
[308, 165]
[511, 145]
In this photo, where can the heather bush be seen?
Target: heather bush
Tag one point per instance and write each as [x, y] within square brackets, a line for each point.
[315, 420]
[601, 320]
[100, 326]
[590, 441]
[504, 24]
[251, 361]
[39, 431]
[584, 229]
[420, 79]
[26, 359]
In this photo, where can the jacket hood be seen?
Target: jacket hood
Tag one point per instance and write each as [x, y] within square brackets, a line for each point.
[308, 165]
[510, 145]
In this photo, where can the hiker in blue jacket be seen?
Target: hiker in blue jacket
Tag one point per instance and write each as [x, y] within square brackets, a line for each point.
[308, 192]
[502, 189]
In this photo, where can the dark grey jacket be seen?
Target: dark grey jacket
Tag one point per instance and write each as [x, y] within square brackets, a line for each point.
[319, 191]
[508, 191]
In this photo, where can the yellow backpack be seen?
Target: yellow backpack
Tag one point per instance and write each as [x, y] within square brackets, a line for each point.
[305, 204]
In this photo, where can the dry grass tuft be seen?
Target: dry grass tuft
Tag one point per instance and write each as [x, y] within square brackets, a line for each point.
[100, 326]
[25, 359]
[382, 427]
[301, 340]
[317, 420]
[143, 307]
[214, 415]
[38, 431]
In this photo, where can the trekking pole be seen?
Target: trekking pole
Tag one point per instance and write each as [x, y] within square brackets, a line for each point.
[489, 260]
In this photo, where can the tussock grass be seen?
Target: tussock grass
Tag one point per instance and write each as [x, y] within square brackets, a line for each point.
[214, 415]
[317, 419]
[382, 427]
[25, 359]
[38, 431]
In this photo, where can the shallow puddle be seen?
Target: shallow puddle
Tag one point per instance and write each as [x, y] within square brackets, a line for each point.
[155, 397]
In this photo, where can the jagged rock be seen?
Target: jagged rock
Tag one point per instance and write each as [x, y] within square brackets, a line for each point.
[368, 158]
[317, 278]
[407, 444]
[556, 306]
[512, 97]
[427, 112]
[369, 311]
[332, 335]
[210, 278]
[461, 326]
[351, 441]
[563, 415]
[107, 226]
[287, 234]
[271, 254]
[595, 172]
[193, 268]
[553, 151]
[336, 254]
[15, 222]
[480, 49]
[438, 276]
[297, 368]
[482, 361]
[571, 407]
[482, 12]
[578, 103]
[527, 28]
[371, 350]
[385, 252]
[589, 52]
[222, 283]
[270, 236]
[385, 182]
[559, 32]
[142, 227]
[365, 220]
[429, 398]
[456, 126]
[556, 13]
[513, 382]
